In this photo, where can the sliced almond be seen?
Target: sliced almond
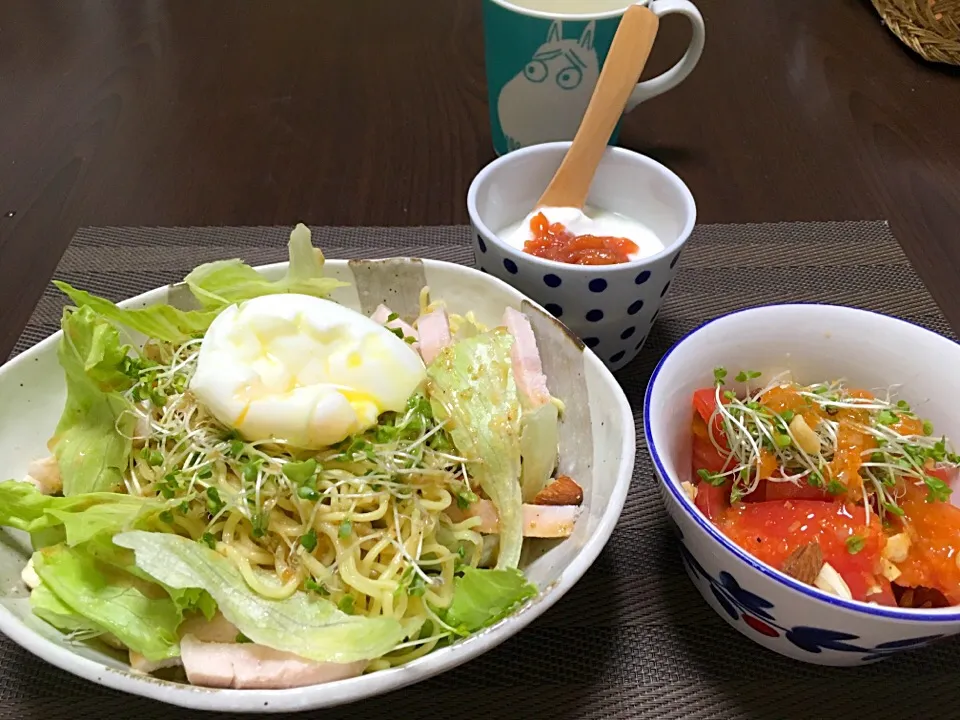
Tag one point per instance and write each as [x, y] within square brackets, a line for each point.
[562, 491]
[29, 575]
[897, 547]
[691, 492]
[890, 571]
[806, 438]
[829, 580]
[804, 563]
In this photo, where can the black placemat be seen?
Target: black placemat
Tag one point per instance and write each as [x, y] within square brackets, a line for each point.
[633, 639]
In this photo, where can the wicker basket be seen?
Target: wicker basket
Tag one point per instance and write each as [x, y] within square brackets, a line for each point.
[930, 28]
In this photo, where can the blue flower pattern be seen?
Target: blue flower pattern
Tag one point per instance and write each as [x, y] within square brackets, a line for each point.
[754, 611]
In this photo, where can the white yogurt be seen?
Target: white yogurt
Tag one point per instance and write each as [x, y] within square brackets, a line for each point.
[589, 221]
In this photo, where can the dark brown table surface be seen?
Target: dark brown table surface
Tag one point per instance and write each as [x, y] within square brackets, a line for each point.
[367, 112]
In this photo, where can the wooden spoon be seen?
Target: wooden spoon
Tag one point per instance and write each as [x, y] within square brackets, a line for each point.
[628, 54]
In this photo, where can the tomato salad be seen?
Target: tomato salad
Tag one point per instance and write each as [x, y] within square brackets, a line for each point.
[839, 487]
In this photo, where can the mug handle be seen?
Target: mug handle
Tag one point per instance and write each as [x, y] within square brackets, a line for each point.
[678, 73]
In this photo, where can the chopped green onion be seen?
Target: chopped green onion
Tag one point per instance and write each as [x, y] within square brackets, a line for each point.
[209, 540]
[346, 527]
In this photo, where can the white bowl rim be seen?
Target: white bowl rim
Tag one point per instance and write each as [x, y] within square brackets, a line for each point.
[938, 615]
[611, 150]
[351, 690]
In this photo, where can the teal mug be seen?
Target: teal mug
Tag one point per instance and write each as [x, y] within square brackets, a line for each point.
[544, 57]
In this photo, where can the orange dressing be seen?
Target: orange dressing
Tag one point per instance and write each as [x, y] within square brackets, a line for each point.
[552, 241]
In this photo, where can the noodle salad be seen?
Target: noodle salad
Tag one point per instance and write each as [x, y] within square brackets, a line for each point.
[274, 490]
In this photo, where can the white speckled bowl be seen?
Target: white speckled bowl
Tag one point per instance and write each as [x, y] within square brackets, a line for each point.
[610, 307]
[597, 444]
[815, 342]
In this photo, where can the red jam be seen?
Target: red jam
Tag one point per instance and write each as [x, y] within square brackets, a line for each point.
[553, 241]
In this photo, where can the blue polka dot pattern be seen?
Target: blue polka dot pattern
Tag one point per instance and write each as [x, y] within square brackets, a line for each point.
[617, 357]
[591, 342]
[665, 288]
[598, 285]
[595, 315]
[552, 280]
[674, 261]
[554, 309]
[510, 265]
[627, 333]
[642, 277]
[482, 244]
[635, 307]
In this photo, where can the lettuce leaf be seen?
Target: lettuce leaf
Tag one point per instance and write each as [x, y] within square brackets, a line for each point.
[311, 627]
[471, 384]
[219, 284]
[161, 322]
[48, 607]
[82, 517]
[482, 597]
[92, 439]
[139, 614]
[539, 448]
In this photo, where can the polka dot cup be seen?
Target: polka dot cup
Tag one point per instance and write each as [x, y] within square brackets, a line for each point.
[610, 307]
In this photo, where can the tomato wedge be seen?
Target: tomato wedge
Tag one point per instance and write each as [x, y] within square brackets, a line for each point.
[772, 530]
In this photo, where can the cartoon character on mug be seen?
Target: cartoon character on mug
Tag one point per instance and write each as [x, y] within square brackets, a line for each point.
[547, 99]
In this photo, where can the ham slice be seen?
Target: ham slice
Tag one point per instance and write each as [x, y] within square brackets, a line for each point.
[527, 368]
[539, 521]
[381, 315]
[248, 665]
[434, 329]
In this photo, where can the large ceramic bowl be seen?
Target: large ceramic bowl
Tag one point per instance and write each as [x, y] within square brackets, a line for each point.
[815, 342]
[597, 443]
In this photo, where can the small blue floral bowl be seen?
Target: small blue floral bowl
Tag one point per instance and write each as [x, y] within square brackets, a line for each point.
[814, 342]
[611, 308]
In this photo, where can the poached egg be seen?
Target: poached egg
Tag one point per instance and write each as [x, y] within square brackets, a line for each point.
[302, 371]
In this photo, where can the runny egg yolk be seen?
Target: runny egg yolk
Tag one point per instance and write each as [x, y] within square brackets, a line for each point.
[302, 371]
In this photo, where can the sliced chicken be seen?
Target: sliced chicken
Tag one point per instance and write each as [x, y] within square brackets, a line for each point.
[382, 315]
[44, 474]
[247, 665]
[539, 521]
[527, 368]
[434, 329]
[217, 630]
[139, 663]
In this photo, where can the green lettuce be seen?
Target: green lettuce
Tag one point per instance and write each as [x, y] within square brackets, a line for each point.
[82, 517]
[471, 386]
[482, 597]
[219, 284]
[309, 626]
[141, 615]
[160, 322]
[539, 447]
[92, 439]
[48, 607]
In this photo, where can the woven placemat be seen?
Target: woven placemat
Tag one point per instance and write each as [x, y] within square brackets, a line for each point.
[633, 639]
[931, 28]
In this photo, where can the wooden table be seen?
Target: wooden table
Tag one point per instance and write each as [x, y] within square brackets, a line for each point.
[366, 112]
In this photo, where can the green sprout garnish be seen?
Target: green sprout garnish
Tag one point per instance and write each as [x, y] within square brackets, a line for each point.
[755, 433]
